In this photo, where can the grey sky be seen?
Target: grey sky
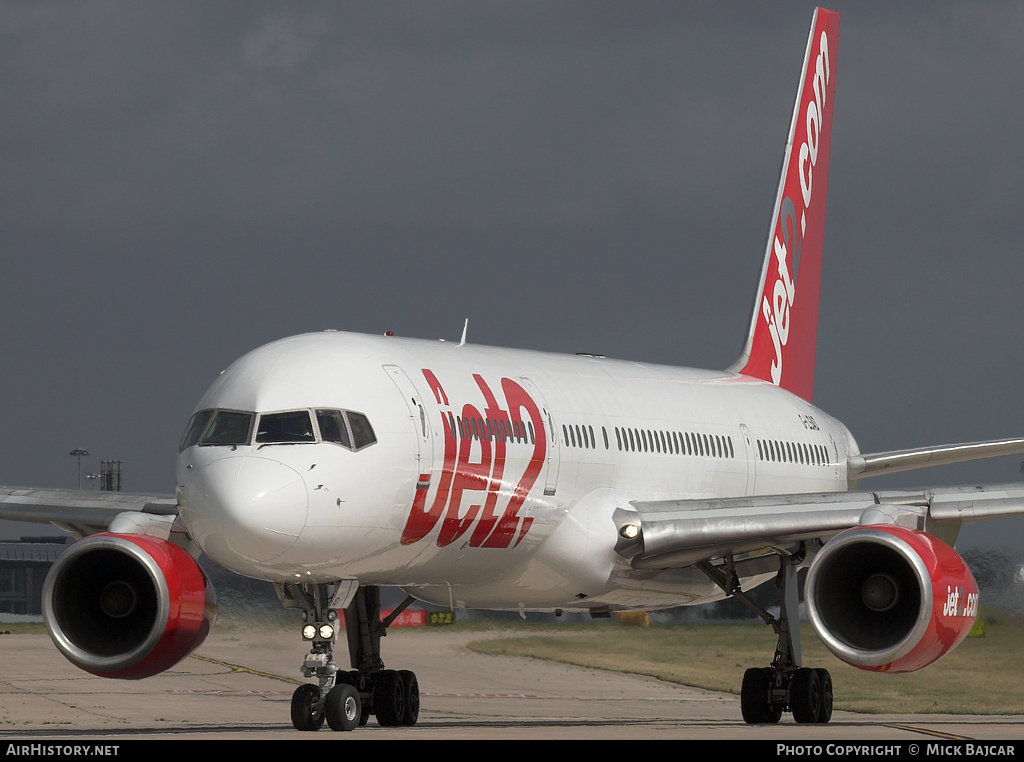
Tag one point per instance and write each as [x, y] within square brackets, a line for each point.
[186, 181]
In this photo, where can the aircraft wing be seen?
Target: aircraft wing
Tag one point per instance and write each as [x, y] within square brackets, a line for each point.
[79, 513]
[677, 533]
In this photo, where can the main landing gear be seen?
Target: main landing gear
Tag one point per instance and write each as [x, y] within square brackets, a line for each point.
[767, 692]
[346, 699]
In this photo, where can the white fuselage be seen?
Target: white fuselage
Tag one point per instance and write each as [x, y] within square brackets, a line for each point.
[494, 473]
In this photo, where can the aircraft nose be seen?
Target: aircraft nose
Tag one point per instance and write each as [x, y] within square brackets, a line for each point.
[246, 508]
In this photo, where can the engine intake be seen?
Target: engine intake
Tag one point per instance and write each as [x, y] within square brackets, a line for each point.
[127, 606]
[890, 599]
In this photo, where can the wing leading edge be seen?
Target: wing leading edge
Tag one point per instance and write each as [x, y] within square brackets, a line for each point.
[677, 533]
[80, 514]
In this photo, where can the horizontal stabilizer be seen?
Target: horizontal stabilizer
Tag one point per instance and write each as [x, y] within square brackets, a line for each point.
[875, 464]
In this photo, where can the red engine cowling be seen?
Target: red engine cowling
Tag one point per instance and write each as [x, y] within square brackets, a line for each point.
[890, 599]
[127, 606]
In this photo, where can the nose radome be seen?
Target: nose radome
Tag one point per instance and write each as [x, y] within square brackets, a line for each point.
[248, 508]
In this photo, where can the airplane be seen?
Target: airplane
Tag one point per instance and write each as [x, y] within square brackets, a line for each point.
[332, 464]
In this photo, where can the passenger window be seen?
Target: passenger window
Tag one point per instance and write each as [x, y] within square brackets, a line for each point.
[229, 428]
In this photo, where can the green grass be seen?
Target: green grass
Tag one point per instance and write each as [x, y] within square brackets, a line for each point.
[22, 628]
[984, 675]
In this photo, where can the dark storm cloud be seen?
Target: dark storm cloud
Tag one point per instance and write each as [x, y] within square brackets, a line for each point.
[186, 181]
[331, 115]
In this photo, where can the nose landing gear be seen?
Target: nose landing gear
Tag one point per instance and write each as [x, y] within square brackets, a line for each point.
[345, 699]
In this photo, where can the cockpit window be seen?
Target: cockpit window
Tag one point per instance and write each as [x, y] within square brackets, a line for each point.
[194, 430]
[333, 427]
[344, 427]
[349, 429]
[228, 428]
[285, 428]
[362, 432]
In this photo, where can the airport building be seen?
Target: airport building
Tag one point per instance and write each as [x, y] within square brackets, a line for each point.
[23, 567]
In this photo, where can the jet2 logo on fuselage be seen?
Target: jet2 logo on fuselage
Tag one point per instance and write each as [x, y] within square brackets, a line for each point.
[481, 469]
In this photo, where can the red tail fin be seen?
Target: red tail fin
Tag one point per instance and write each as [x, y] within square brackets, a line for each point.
[784, 326]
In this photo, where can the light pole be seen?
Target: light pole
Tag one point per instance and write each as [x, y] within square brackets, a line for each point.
[79, 452]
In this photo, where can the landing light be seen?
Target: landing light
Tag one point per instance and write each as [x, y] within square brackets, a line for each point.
[324, 631]
[630, 531]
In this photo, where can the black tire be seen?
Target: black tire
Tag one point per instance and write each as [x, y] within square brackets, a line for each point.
[389, 698]
[342, 708]
[805, 695]
[412, 697]
[755, 702]
[825, 679]
[306, 712]
[350, 678]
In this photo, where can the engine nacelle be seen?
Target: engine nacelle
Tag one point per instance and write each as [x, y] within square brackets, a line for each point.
[890, 599]
[127, 606]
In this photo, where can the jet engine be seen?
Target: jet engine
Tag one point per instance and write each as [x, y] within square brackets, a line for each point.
[127, 606]
[890, 599]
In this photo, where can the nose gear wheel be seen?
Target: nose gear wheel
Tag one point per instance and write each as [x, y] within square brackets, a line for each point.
[345, 699]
